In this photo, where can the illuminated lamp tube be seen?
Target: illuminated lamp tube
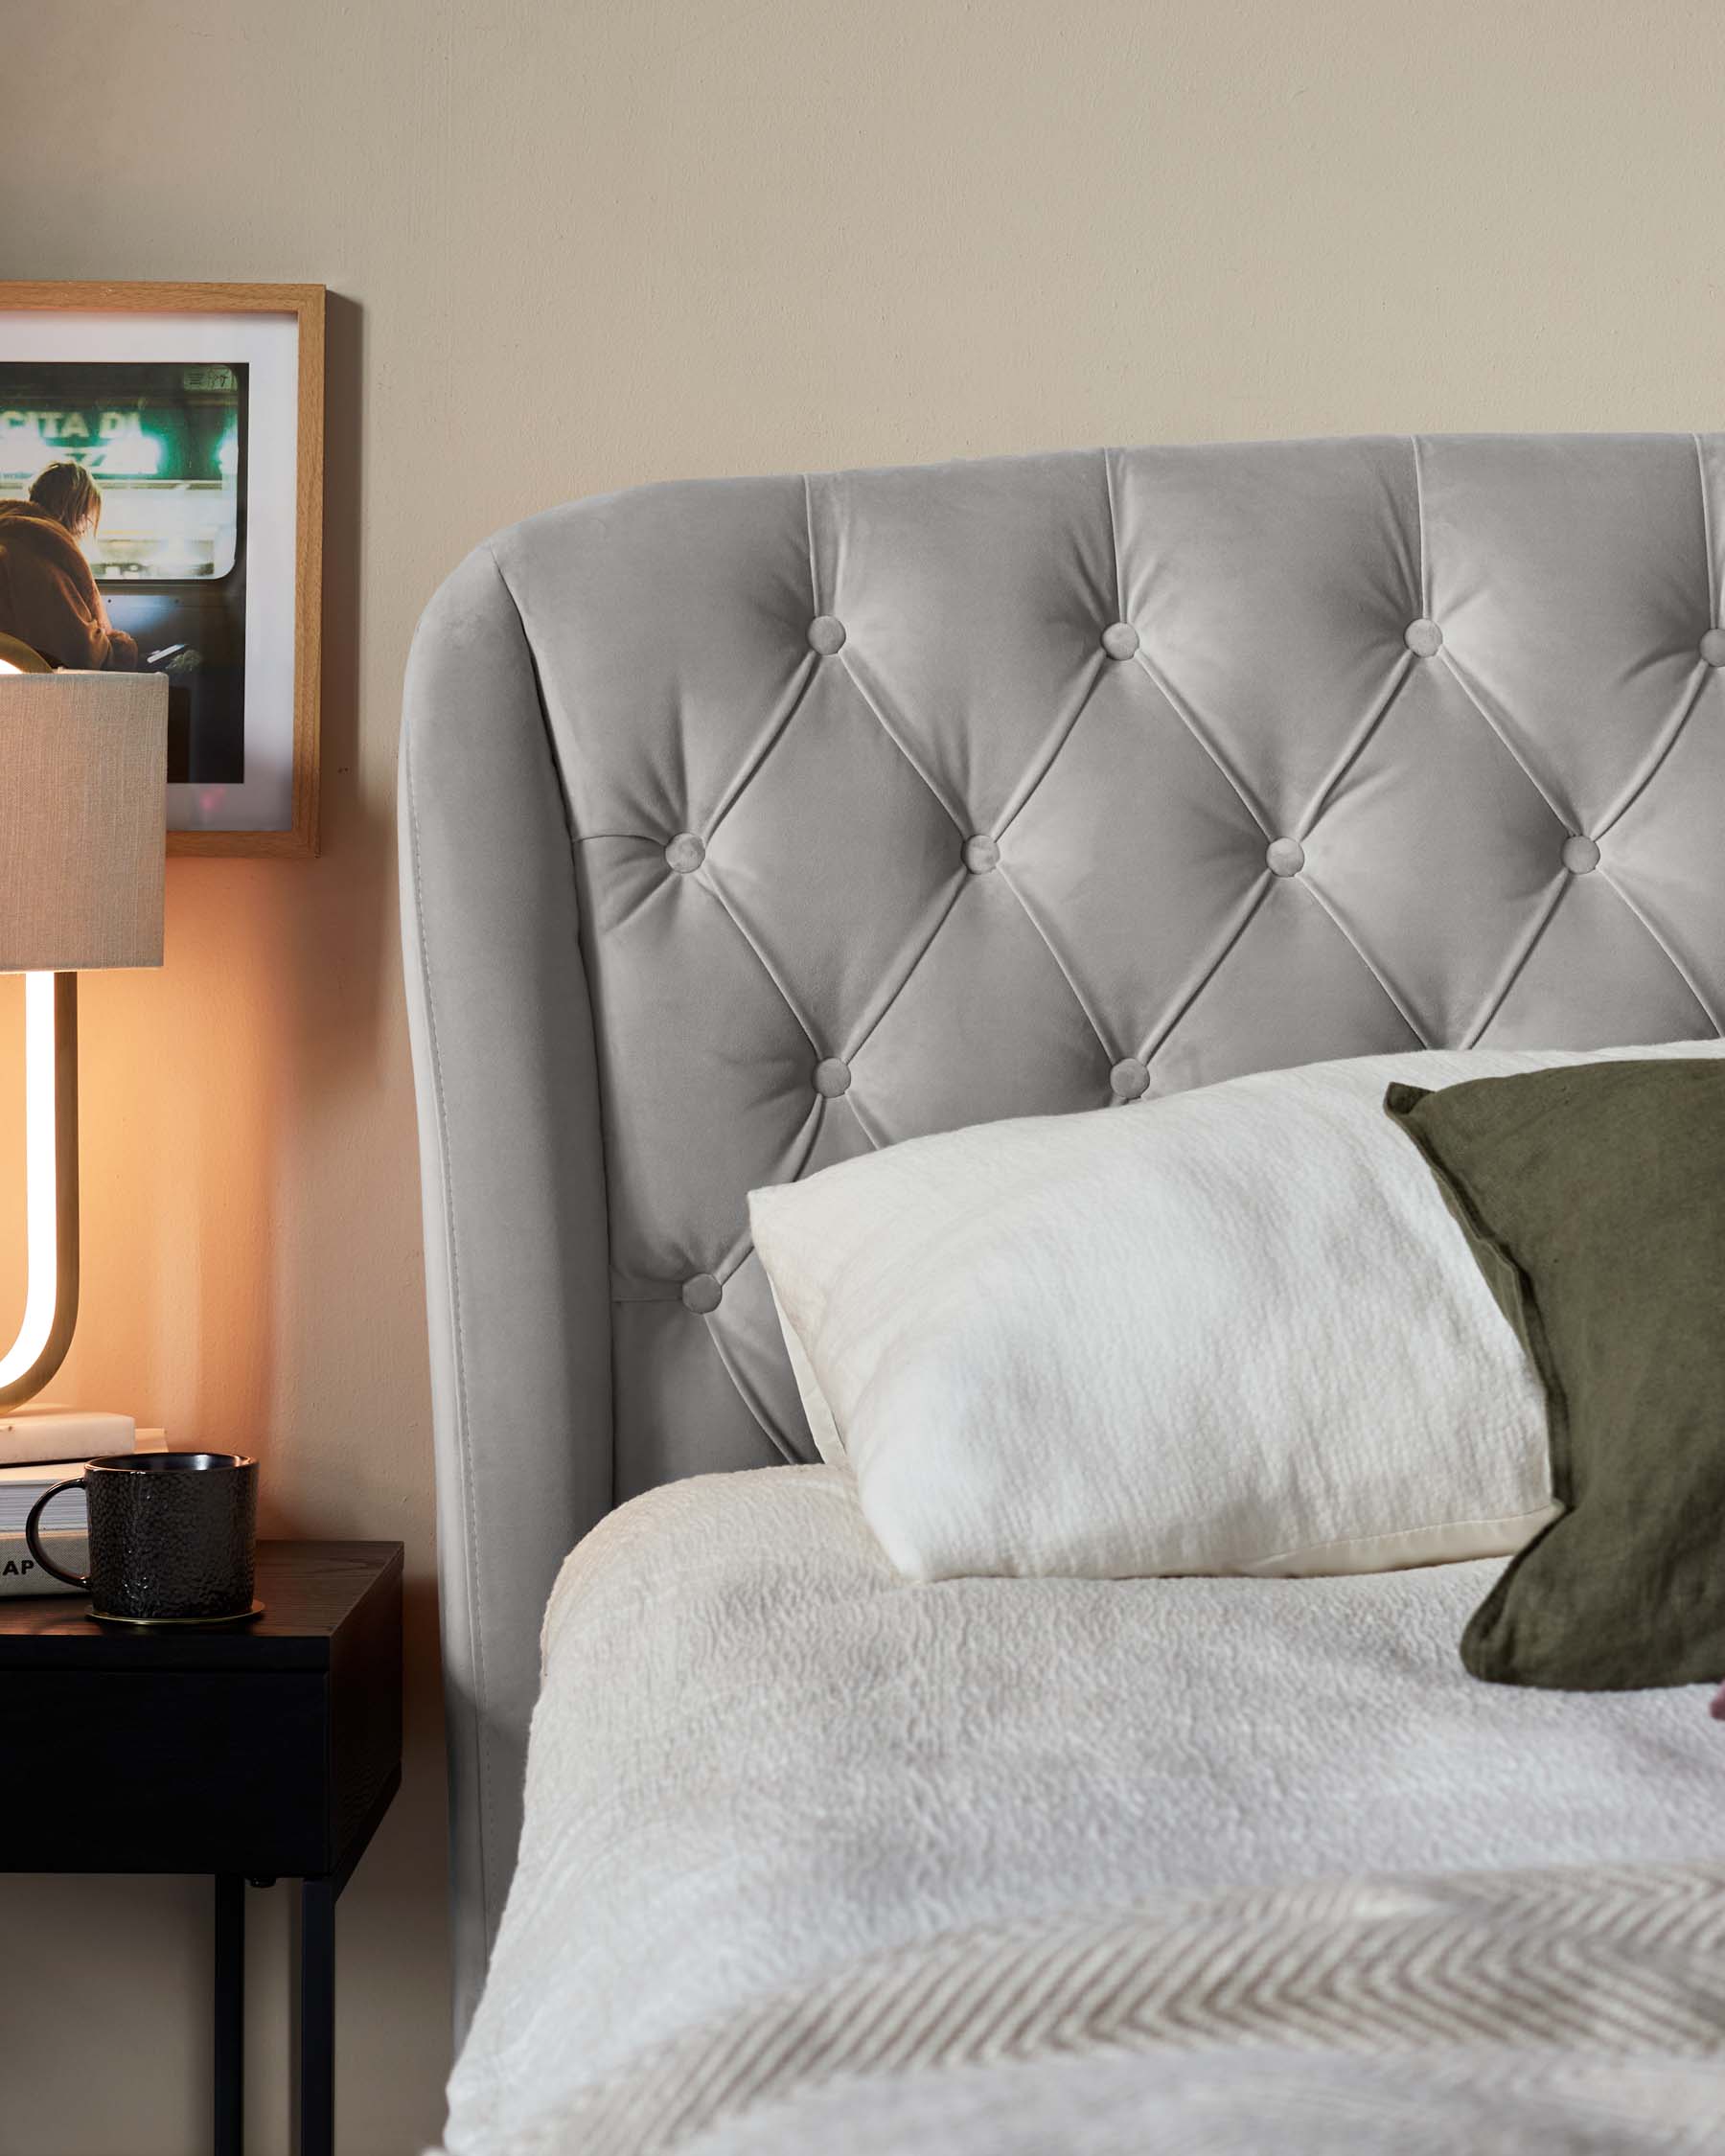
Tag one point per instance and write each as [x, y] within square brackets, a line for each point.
[50, 1186]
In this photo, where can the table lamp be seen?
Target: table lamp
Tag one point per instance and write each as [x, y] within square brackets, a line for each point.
[83, 773]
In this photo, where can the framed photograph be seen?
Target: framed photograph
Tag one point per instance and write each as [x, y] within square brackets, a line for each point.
[161, 507]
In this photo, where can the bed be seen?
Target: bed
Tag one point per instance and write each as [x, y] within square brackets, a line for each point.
[752, 825]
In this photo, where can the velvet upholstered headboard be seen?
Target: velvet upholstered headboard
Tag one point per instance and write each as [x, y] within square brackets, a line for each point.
[750, 823]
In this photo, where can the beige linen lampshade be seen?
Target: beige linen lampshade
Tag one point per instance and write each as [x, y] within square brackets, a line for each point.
[83, 775]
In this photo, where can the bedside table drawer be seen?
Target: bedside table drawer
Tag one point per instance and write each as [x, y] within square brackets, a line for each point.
[170, 1770]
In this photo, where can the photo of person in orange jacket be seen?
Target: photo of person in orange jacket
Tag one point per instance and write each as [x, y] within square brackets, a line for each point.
[48, 593]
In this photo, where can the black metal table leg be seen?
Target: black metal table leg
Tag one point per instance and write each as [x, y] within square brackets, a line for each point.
[230, 2013]
[317, 2018]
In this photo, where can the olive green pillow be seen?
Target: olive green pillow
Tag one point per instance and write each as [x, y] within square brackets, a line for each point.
[1594, 1199]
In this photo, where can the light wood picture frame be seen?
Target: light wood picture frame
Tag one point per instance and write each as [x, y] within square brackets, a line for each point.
[197, 409]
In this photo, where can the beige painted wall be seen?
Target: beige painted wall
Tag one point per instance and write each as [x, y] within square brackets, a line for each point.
[580, 245]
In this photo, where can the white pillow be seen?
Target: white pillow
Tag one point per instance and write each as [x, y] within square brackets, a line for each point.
[1233, 1330]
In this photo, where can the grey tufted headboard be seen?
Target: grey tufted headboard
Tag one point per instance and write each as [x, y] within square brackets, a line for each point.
[751, 823]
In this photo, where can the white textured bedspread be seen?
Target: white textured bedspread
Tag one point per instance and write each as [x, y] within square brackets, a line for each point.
[772, 1782]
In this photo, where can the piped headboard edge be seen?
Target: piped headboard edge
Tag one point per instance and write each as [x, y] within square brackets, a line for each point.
[516, 1263]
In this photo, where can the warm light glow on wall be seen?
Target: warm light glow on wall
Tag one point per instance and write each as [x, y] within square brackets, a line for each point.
[41, 1213]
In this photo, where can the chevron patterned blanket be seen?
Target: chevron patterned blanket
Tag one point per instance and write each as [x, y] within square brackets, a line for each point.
[1576, 2009]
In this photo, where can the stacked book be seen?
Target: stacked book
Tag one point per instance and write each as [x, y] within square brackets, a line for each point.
[61, 1529]
[38, 1448]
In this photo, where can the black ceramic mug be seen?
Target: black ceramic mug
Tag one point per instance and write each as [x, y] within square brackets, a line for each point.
[172, 1536]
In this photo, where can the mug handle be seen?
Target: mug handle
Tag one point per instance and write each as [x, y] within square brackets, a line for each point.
[41, 1557]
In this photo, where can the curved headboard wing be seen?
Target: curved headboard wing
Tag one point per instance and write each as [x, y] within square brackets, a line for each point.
[750, 823]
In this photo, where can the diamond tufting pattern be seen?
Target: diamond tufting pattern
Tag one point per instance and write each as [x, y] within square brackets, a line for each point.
[984, 785]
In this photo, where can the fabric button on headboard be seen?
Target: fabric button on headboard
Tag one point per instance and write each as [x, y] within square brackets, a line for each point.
[753, 823]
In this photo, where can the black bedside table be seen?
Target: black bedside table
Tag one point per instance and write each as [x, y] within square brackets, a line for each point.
[270, 1749]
